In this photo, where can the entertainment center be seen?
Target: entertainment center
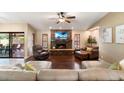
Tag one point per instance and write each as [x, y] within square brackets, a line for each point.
[61, 39]
[61, 42]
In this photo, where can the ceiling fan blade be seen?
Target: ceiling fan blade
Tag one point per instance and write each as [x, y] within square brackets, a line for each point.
[71, 17]
[59, 14]
[57, 22]
[62, 14]
[67, 21]
[52, 18]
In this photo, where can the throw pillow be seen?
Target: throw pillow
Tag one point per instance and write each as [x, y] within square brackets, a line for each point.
[115, 66]
[89, 49]
[122, 64]
[29, 67]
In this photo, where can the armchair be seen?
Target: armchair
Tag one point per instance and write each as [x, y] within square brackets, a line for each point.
[39, 53]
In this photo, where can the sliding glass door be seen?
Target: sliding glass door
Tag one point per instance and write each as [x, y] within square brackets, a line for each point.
[17, 45]
[12, 45]
[4, 45]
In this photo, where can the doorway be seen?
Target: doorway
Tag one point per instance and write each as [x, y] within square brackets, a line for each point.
[12, 45]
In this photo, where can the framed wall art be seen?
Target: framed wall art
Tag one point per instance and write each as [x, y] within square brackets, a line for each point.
[119, 34]
[107, 35]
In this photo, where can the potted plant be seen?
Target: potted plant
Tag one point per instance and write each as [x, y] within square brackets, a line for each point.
[91, 40]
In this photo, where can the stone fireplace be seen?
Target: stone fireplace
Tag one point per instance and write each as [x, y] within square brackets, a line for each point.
[61, 43]
[60, 46]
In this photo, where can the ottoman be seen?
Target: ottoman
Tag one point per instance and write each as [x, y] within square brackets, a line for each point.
[82, 55]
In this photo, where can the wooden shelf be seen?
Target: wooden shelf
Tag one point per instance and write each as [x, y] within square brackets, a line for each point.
[68, 41]
[45, 40]
[77, 41]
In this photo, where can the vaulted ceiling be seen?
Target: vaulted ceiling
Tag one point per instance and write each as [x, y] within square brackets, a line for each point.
[41, 21]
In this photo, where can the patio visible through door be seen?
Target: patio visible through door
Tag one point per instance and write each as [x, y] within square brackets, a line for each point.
[12, 45]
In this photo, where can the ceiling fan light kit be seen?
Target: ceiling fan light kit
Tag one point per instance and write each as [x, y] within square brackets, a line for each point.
[63, 18]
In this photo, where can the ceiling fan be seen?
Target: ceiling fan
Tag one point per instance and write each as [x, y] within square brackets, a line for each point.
[62, 17]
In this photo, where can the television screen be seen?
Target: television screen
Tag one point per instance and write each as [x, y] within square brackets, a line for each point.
[61, 35]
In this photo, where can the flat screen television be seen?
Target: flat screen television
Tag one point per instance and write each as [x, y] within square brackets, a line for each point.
[61, 35]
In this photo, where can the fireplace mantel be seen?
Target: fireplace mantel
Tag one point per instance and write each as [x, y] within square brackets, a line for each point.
[61, 51]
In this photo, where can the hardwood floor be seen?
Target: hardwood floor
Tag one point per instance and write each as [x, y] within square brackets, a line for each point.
[62, 62]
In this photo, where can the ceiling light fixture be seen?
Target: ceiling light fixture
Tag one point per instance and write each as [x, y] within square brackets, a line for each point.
[61, 20]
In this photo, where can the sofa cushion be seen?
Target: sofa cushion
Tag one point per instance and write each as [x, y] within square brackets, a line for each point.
[29, 67]
[10, 67]
[89, 49]
[115, 66]
[57, 74]
[122, 64]
[113, 74]
[94, 64]
[17, 75]
[121, 74]
[38, 65]
[98, 74]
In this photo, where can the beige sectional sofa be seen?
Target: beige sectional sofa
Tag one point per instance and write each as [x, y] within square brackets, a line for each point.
[57, 74]
[90, 74]
[101, 74]
[62, 75]
[94, 70]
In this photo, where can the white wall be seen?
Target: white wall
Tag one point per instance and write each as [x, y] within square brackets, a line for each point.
[13, 27]
[94, 32]
[84, 37]
[111, 52]
[39, 37]
[29, 40]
